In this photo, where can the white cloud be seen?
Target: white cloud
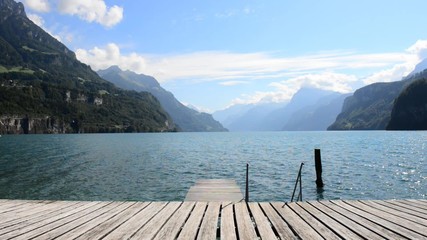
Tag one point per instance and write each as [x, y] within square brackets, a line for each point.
[415, 53]
[336, 71]
[327, 81]
[87, 10]
[92, 11]
[233, 83]
[397, 72]
[227, 66]
[38, 5]
[101, 58]
[284, 90]
[263, 97]
[419, 48]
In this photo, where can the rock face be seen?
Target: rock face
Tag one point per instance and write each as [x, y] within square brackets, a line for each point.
[10, 8]
[410, 108]
[45, 89]
[26, 125]
[370, 107]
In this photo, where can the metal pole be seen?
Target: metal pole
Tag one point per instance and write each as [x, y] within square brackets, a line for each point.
[300, 187]
[247, 183]
[296, 182]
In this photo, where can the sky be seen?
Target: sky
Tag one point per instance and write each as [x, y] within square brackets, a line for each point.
[216, 53]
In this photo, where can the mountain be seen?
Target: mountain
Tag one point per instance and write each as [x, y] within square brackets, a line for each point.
[410, 108]
[45, 89]
[305, 97]
[370, 107]
[317, 117]
[189, 120]
[230, 114]
[275, 116]
[249, 117]
[420, 67]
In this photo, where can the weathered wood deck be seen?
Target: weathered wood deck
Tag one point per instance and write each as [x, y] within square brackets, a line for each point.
[397, 219]
[214, 190]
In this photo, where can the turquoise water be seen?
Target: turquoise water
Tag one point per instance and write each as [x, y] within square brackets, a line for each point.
[155, 167]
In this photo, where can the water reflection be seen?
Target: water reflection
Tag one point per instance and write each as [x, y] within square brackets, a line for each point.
[319, 192]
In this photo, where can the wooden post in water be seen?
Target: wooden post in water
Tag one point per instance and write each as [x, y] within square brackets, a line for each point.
[318, 164]
[247, 183]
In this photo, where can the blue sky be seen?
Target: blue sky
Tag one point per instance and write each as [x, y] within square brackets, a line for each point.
[215, 53]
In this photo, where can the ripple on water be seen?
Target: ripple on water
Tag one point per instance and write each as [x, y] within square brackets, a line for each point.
[149, 167]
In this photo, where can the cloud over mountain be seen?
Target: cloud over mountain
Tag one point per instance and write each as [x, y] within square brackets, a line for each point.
[87, 10]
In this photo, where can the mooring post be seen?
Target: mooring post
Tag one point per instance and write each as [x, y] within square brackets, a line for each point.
[247, 183]
[318, 163]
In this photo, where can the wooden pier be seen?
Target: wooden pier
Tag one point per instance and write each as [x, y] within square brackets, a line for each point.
[215, 190]
[394, 219]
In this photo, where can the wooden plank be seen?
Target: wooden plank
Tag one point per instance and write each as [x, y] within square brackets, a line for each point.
[380, 221]
[405, 208]
[227, 227]
[35, 217]
[109, 225]
[245, 227]
[22, 209]
[25, 230]
[210, 222]
[319, 227]
[262, 223]
[380, 230]
[218, 190]
[129, 228]
[402, 214]
[171, 229]
[392, 218]
[106, 211]
[22, 206]
[95, 218]
[69, 223]
[213, 197]
[149, 230]
[281, 226]
[369, 219]
[354, 226]
[191, 227]
[303, 230]
[337, 227]
[419, 204]
[7, 206]
[34, 211]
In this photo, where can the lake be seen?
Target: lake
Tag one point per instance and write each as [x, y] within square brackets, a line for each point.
[163, 166]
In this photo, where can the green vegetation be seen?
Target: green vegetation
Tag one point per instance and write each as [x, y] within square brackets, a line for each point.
[370, 107]
[410, 108]
[19, 69]
[187, 119]
[40, 77]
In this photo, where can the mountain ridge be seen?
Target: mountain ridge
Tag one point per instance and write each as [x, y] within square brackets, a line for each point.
[189, 120]
[410, 108]
[276, 116]
[45, 89]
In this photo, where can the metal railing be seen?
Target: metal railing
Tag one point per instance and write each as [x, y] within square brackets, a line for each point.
[299, 179]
